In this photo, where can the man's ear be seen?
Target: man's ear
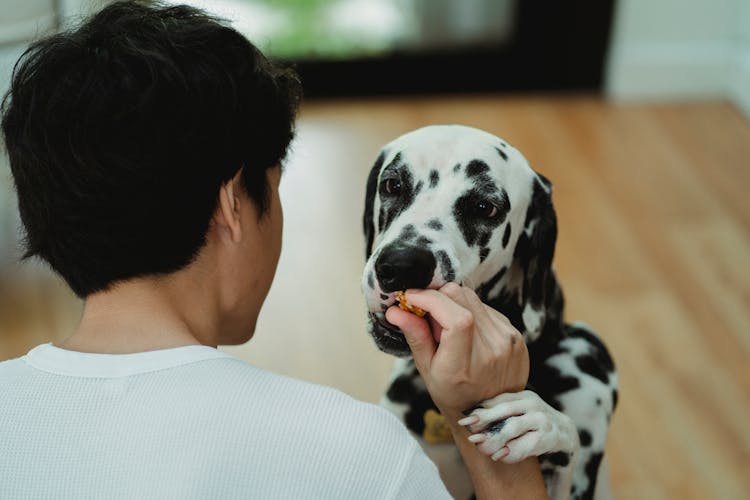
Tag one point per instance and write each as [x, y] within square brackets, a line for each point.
[227, 212]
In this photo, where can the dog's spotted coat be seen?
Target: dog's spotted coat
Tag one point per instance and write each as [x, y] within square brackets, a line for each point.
[453, 203]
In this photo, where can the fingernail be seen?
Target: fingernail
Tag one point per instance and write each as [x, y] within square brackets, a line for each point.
[500, 454]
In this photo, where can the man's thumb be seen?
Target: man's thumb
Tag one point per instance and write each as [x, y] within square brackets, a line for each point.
[418, 335]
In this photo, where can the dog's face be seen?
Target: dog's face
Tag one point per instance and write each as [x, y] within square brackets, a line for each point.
[453, 203]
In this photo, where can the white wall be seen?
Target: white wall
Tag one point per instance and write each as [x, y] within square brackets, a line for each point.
[680, 49]
[9, 222]
[20, 22]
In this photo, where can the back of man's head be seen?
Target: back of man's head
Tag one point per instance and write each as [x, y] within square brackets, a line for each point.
[121, 131]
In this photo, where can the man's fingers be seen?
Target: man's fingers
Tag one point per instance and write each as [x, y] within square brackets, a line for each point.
[445, 310]
[418, 335]
[456, 320]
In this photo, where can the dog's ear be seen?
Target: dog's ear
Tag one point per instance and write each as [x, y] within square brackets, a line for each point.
[368, 219]
[541, 298]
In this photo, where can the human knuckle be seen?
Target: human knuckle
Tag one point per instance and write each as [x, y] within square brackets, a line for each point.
[500, 347]
[451, 289]
[464, 320]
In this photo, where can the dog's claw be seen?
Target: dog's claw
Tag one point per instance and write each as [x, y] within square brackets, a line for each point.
[477, 438]
[471, 419]
[500, 454]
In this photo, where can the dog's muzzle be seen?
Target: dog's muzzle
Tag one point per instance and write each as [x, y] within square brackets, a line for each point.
[388, 338]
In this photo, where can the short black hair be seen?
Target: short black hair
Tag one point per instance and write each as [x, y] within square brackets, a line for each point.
[121, 131]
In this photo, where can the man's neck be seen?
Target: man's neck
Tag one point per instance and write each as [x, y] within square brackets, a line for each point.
[142, 315]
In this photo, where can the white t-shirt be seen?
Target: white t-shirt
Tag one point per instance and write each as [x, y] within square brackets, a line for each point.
[193, 422]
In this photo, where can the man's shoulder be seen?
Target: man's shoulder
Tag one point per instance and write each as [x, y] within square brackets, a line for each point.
[308, 397]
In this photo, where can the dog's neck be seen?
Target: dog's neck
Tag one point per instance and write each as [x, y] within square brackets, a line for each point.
[505, 294]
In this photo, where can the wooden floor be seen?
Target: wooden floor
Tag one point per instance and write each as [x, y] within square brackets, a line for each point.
[653, 252]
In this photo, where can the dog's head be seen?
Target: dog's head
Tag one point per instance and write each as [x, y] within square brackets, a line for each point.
[453, 203]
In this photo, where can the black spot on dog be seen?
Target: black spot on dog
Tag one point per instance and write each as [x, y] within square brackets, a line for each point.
[496, 427]
[418, 188]
[544, 378]
[589, 365]
[434, 178]
[506, 235]
[483, 253]
[559, 458]
[540, 204]
[370, 280]
[485, 288]
[484, 239]
[435, 224]
[597, 362]
[507, 302]
[585, 437]
[456, 167]
[423, 241]
[445, 263]
[408, 233]
[468, 214]
[403, 390]
[393, 205]
[476, 167]
[502, 154]
[383, 296]
[598, 401]
[370, 193]
[550, 383]
[597, 347]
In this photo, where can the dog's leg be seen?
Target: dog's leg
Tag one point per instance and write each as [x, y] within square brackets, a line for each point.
[514, 426]
[575, 392]
[578, 378]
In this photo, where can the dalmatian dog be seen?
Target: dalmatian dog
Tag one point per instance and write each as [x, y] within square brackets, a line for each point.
[449, 203]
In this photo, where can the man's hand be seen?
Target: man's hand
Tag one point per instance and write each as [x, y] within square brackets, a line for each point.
[465, 351]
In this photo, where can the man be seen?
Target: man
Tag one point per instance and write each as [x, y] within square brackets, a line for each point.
[146, 149]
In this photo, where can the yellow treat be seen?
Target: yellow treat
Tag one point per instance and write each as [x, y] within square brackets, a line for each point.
[435, 428]
[403, 304]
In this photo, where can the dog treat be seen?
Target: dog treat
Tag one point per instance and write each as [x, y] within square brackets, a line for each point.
[403, 304]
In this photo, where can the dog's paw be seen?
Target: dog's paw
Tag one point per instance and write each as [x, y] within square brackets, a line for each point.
[515, 426]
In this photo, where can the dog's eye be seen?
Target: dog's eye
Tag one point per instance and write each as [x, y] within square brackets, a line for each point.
[485, 209]
[392, 186]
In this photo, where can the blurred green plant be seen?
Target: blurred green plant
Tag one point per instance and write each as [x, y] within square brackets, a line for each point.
[308, 35]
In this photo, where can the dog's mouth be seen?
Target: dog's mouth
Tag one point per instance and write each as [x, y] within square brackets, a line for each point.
[388, 337]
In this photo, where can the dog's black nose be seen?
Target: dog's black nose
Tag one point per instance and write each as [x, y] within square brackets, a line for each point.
[404, 266]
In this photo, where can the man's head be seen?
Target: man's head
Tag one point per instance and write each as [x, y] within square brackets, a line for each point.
[121, 132]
